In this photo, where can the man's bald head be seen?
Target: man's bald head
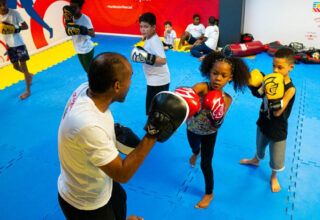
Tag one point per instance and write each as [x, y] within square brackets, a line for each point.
[105, 69]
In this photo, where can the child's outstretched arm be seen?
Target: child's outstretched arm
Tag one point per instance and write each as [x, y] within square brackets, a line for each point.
[228, 101]
[286, 99]
[201, 88]
[23, 26]
[160, 60]
[174, 44]
[91, 32]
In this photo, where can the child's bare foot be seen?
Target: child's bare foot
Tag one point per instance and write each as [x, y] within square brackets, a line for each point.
[166, 48]
[25, 95]
[201, 58]
[275, 186]
[134, 217]
[253, 162]
[193, 159]
[205, 201]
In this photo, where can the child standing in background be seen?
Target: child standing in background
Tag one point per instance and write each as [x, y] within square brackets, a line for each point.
[79, 26]
[11, 23]
[153, 57]
[272, 124]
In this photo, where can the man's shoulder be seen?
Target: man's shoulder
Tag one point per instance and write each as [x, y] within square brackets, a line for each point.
[85, 119]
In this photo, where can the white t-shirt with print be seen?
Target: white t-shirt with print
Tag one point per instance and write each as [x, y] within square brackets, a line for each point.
[212, 33]
[169, 37]
[156, 74]
[82, 43]
[196, 30]
[13, 17]
[86, 140]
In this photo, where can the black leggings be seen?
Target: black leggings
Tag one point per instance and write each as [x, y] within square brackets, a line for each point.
[115, 209]
[207, 143]
[151, 92]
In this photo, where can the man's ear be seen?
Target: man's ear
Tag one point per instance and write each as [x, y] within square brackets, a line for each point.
[116, 86]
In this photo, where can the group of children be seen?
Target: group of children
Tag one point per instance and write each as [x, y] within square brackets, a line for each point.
[201, 40]
[219, 70]
[11, 23]
[216, 68]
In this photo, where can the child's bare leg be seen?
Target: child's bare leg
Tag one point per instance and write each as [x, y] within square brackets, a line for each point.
[17, 67]
[28, 79]
[275, 186]
[188, 48]
[205, 201]
[184, 37]
[166, 48]
[254, 161]
[193, 159]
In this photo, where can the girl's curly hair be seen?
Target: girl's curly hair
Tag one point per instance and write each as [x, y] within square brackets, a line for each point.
[239, 69]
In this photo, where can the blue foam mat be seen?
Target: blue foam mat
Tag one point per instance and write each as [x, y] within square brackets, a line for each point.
[165, 186]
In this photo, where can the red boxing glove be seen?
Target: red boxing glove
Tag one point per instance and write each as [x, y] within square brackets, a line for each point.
[214, 102]
[191, 97]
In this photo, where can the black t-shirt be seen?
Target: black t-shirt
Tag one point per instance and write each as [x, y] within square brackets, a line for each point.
[275, 128]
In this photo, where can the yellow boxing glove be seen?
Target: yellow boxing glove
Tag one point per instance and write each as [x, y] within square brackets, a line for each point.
[6, 28]
[274, 89]
[72, 29]
[256, 83]
[68, 12]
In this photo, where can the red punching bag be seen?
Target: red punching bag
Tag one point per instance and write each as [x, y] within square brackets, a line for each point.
[243, 49]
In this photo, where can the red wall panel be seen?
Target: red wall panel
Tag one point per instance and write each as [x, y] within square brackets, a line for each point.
[121, 16]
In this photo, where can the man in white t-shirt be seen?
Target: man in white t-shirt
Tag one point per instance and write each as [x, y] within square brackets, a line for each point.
[193, 34]
[11, 23]
[169, 36]
[91, 167]
[82, 42]
[210, 40]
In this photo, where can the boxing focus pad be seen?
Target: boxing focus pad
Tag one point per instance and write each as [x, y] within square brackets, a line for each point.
[214, 102]
[191, 97]
[274, 89]
[68, 13]
[256, 83]
[127, 141]
[6, 28]
[167, 112]
[140, 55]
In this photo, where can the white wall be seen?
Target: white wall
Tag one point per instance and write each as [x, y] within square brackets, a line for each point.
[283, 20]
